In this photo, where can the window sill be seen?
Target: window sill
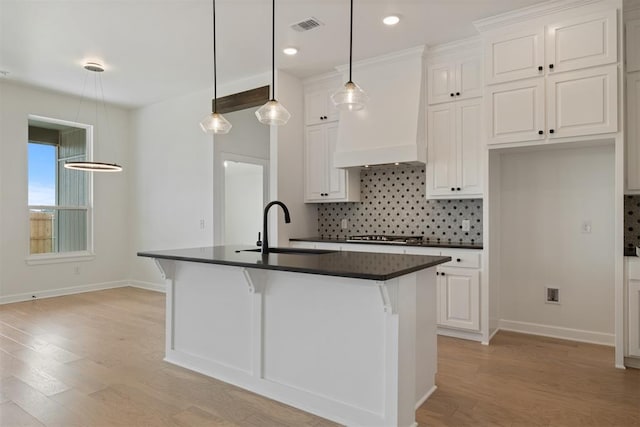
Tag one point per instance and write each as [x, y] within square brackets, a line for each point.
[56, 258]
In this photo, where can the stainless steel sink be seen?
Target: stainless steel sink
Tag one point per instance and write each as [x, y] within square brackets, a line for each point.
[292, 251]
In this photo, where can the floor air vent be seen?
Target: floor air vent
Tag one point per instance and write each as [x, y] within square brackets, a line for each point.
[306, 24]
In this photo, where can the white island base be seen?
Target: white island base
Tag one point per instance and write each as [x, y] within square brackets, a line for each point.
[358, 352]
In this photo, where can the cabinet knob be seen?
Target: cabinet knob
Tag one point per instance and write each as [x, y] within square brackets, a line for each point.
[458, 260]
[457, 93]
[551, 66]
[453, 189]
[324, 117]
[540, 132]
[458, 189]
[452, 94]
[551, 131]
[540, 68]
[442, 274]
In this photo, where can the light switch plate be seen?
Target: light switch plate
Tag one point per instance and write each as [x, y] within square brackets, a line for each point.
[466, 225]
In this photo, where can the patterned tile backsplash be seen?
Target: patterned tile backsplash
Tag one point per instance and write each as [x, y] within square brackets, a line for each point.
[393, 202]
[631, 221]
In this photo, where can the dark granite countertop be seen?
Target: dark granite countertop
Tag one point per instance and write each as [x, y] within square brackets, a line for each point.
[425, 244]
[359, 265]
[630, 251]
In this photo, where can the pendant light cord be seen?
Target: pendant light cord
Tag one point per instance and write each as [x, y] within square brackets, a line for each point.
[273, 50]
[350, 40]
[215, 81]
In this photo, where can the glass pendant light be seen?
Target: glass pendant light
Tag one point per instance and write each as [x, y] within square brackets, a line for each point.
[273, 113]
[90, 166]
[350, 97]
[215, 122]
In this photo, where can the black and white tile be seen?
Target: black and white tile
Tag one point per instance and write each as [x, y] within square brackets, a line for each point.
[631, 221]
[393, 202]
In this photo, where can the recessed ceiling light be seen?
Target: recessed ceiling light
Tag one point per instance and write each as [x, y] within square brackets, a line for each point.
[290, 51]
[391, 20]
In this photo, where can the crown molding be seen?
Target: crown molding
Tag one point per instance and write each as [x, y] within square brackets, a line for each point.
[528, 13]
[456, 46]
[321, 78]
[401, 54]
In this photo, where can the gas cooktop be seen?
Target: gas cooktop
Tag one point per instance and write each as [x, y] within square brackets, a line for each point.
[382, 238]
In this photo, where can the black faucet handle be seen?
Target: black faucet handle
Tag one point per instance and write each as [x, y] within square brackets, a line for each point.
[259, 242]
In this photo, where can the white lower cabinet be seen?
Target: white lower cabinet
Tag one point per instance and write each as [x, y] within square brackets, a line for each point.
[634, 318]
[458, 282]
[459, 298]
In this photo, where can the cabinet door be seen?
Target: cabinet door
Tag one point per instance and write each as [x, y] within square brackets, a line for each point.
[634, 317]
[469, 146]
[633, 45]
[515, 111]
[469, 78]
[582, 42]
[336, 186]
[583, 102]
[318, 107]
[441, 82]
[315, 168]
[459, 298]
[514, 56]
[441, 150]
[632, 139]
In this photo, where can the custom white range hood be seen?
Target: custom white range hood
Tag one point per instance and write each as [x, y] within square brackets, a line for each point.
[391, 127]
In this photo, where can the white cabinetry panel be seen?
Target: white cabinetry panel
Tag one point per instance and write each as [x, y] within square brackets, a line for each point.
[441, 149]
[632, 139]
[634, 318]
[633, 45]
[581, 42]
[514, 56]
[516, 111]
[454, 80]
[315, 162]
[583, 102]
[459, 298]
[318, 107]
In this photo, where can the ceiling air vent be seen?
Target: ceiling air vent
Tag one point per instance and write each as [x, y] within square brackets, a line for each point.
[306, 24]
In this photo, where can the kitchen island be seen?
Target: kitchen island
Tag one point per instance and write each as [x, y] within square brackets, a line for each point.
[349, 336]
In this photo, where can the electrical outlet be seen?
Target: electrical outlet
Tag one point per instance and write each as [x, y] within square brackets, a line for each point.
[586, 226]
[466, 225]
[344, 224]
[552, 295]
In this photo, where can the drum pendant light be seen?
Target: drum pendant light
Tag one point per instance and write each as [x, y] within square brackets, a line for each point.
[350, 97]
[215, 122]
[273, 113]
[90, 166]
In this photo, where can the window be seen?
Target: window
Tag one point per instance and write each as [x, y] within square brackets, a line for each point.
[59, 198]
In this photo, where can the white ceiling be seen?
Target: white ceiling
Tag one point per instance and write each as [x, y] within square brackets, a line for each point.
[157, 49]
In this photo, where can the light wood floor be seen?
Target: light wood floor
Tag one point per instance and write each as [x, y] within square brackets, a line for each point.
[95, 359]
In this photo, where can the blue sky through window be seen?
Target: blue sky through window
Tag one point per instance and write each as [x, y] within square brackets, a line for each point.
[42, 174]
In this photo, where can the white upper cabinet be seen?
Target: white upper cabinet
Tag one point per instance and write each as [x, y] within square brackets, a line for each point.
[318, 107]
[571, 44]
[322, 181]
[633, 131]
[585, 41]
[453, 80]
[583, 102]
[454, 150]
[515, 111]
[514, 56]
[576, 103]
[633, 45]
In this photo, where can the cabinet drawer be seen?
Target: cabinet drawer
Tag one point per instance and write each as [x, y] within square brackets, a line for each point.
[462, 259]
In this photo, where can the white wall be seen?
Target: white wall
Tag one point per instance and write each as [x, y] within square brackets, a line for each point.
[544, 198]
[110, 197]
[171, 180]
[288, 153]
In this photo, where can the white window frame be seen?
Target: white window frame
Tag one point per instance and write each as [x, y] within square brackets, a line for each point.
[62, 257]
